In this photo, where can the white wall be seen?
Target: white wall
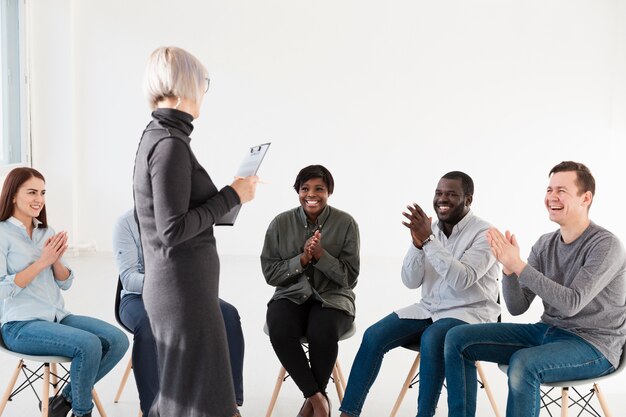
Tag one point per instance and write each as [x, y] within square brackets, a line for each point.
[388, 95]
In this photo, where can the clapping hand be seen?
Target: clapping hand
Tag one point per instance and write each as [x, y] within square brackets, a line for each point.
[418, 223]
[54, 249]
[313, 246]
[506, 250]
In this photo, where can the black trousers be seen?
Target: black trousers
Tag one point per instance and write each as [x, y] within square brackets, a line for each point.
[288, 322]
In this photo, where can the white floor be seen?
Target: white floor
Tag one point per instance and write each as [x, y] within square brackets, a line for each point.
[379, 292]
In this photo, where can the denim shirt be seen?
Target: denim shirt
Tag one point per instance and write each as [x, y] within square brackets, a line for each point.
[458, 275]
[128, 253]
[39, 300]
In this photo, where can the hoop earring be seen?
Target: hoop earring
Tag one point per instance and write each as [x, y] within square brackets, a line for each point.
[177, 103]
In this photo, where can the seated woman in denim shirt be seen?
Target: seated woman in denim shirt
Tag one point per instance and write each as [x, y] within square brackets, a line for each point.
[311, 256]
[33, 318]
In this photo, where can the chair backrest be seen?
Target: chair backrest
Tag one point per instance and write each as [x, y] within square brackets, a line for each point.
[118, 298]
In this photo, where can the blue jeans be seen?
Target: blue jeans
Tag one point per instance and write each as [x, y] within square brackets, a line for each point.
[94, 346]
[133, 315]
[387, 334]
[535, 353]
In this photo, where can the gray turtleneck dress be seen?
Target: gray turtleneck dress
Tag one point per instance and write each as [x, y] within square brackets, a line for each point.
[176, 206]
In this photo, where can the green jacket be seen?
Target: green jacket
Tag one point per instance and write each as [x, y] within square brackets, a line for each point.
[332, 278]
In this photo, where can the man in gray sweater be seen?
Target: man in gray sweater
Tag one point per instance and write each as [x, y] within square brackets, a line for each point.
[579, 272]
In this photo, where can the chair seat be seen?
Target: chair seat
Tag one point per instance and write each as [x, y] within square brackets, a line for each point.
[565, 384]
[34, 358]
[415, 346]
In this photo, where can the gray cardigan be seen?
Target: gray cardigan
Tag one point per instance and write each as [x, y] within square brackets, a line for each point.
[582, 285]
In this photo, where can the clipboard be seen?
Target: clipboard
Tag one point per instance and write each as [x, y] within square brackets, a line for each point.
[249, 166]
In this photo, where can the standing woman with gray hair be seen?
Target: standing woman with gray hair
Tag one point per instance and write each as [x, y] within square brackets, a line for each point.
[176, 205]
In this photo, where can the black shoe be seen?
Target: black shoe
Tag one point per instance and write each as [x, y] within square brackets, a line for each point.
[58, 406]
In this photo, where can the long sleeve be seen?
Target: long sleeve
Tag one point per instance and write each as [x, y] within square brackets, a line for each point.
[278, 271]
[516, 298]
[171, 168]
[465, 271]
[598, 269]
[127, 248]
[343, 269]
[413, 268]
[8, 288]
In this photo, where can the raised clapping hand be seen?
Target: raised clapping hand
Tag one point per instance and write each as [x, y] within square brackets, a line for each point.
[313, 246]
[418, 223]
[506, 251]
[54, 249]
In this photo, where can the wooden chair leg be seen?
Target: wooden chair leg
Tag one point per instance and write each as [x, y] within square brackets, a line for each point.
[9, 390]
[46, 390]
[342, 378]
[96, 400]
[602, 401]
[54, 378]
[337, 381]
[564, 401]
[129, 367]
[405, 386]
[487, 389]
[279, 383]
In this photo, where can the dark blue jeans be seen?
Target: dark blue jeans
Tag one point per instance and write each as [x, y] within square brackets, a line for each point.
[392, 332]
[535, 353]
[134, 316]
[94, 346]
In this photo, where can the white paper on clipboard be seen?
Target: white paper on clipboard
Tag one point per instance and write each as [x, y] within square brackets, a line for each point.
[249, 166]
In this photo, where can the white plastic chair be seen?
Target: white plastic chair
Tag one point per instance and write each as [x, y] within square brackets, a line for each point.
[47, 372]
[338, 378]
[582, 401]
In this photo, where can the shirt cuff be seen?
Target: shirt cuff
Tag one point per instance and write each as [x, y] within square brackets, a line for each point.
[16, 288]
[325, 263]
[67, 283]
[294, 266]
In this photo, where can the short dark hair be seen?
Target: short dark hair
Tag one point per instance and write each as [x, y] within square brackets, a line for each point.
[12, 183]
[315, 171]
[466, 181]
[584, 179]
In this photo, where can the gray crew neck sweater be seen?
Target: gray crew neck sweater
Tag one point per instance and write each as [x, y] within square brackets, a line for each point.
[582, 285]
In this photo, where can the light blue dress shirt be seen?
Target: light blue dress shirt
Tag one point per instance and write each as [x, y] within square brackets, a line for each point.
[458, 275]
[39, 300]
[128, 253]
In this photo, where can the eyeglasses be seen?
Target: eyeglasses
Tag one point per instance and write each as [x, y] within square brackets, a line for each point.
[208, 82]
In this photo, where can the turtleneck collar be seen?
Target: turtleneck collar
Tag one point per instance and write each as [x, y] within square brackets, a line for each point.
[174, 118]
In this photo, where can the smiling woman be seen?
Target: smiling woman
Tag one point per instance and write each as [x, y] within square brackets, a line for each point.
[34, 320]
[311, 256]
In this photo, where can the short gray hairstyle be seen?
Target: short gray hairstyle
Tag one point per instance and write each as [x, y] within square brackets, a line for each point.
[173, 72]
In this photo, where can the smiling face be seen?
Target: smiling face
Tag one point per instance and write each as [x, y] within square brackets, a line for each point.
[29, 200]
[313, 196]
[450, 203]
[564, 204]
